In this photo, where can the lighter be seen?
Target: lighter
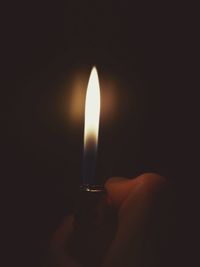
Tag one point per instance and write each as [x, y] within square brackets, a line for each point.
[94, 223]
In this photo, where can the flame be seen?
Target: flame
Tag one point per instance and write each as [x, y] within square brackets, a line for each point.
[92, 110]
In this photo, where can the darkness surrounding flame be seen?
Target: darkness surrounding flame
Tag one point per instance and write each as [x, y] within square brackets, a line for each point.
[146, 47]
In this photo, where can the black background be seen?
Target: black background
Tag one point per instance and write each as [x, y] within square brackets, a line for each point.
[147, 48]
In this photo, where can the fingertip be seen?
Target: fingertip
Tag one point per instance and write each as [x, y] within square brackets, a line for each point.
[116, 188]
[114, 180]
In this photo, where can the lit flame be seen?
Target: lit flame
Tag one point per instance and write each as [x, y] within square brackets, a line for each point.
[92, 110]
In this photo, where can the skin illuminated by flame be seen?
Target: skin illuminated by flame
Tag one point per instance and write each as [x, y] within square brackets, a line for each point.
[92, 110]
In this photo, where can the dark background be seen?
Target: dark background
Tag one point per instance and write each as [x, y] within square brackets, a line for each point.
[146, 48]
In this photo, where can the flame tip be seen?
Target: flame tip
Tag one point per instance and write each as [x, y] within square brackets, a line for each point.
[94, 68]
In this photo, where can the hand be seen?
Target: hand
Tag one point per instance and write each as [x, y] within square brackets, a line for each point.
[135, 201]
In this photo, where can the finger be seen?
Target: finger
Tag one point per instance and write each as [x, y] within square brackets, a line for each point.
[63, 233]
[59, 241]
[135, 202]
[119, 188]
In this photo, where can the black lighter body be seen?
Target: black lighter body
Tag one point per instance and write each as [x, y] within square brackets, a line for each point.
[94, 226]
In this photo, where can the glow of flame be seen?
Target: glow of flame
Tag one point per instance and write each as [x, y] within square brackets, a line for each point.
[92, 110]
